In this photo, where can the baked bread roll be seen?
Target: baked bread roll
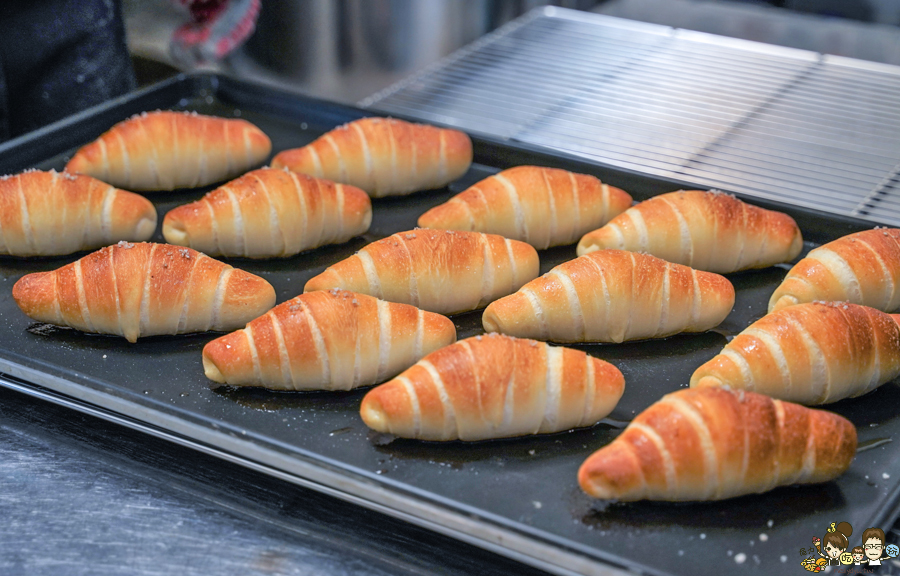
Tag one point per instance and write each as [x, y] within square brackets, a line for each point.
[613, 296]
[437, 270]
[328, 340]
[715, 443]
[51, 213]
[862, 268]
[542, 206]
[270, 213]
[709, 231]
[494, 386]
[166, 150]
[810, 353]
[136, 290]
[383, 156]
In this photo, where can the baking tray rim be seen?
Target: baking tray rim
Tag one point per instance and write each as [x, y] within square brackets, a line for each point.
[299, 469]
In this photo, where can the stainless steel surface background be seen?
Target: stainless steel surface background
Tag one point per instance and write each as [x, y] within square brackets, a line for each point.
[778, 123]
[79, 495]
[346, 50]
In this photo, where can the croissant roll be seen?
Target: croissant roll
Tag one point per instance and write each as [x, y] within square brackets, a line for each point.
[862, 268]
[437, 270]
[270, 213]
[383, 156]
[494, 387]
[715, 443]
[613, 296]
[810, 353]
[708, 231]
[165, 150]
[137, 290]
[541, 206]
[51, 214]
[328, 340]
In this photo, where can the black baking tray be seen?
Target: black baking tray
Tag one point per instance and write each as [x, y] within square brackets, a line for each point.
[518, 497]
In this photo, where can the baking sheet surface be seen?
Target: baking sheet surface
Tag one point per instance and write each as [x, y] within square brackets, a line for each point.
[525, 485]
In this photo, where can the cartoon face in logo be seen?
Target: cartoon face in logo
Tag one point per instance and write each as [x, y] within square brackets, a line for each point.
[873, 542]
[835, 543]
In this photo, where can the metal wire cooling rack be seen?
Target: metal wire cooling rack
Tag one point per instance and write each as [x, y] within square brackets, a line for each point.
[779, 123]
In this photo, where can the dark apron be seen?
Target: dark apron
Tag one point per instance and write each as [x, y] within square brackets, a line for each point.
[58, 57]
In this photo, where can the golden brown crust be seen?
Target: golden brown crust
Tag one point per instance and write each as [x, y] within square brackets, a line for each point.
[812, 353]
[328, 340]
[270, 213]
[862, 268]
[51, 213]
[613, 296]
[716, 443]
[165, 150]
[708, 231]
[145, 289]
[383, 156]
[494, 386]
[437, 270]
[541, 206]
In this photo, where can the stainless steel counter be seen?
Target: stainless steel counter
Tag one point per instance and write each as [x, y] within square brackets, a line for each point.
[82, 496]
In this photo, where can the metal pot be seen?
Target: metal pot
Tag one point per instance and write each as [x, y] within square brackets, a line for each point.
[348, 49]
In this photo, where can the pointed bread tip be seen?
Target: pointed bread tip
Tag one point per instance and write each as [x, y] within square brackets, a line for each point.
[610, 473]
[34, 294]
[586, 245]
[707, 382]
[145, 228]
[211, 370]
[372, 413]
[175, 233]
[317, 283]
[489, 319]
[783, 302]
